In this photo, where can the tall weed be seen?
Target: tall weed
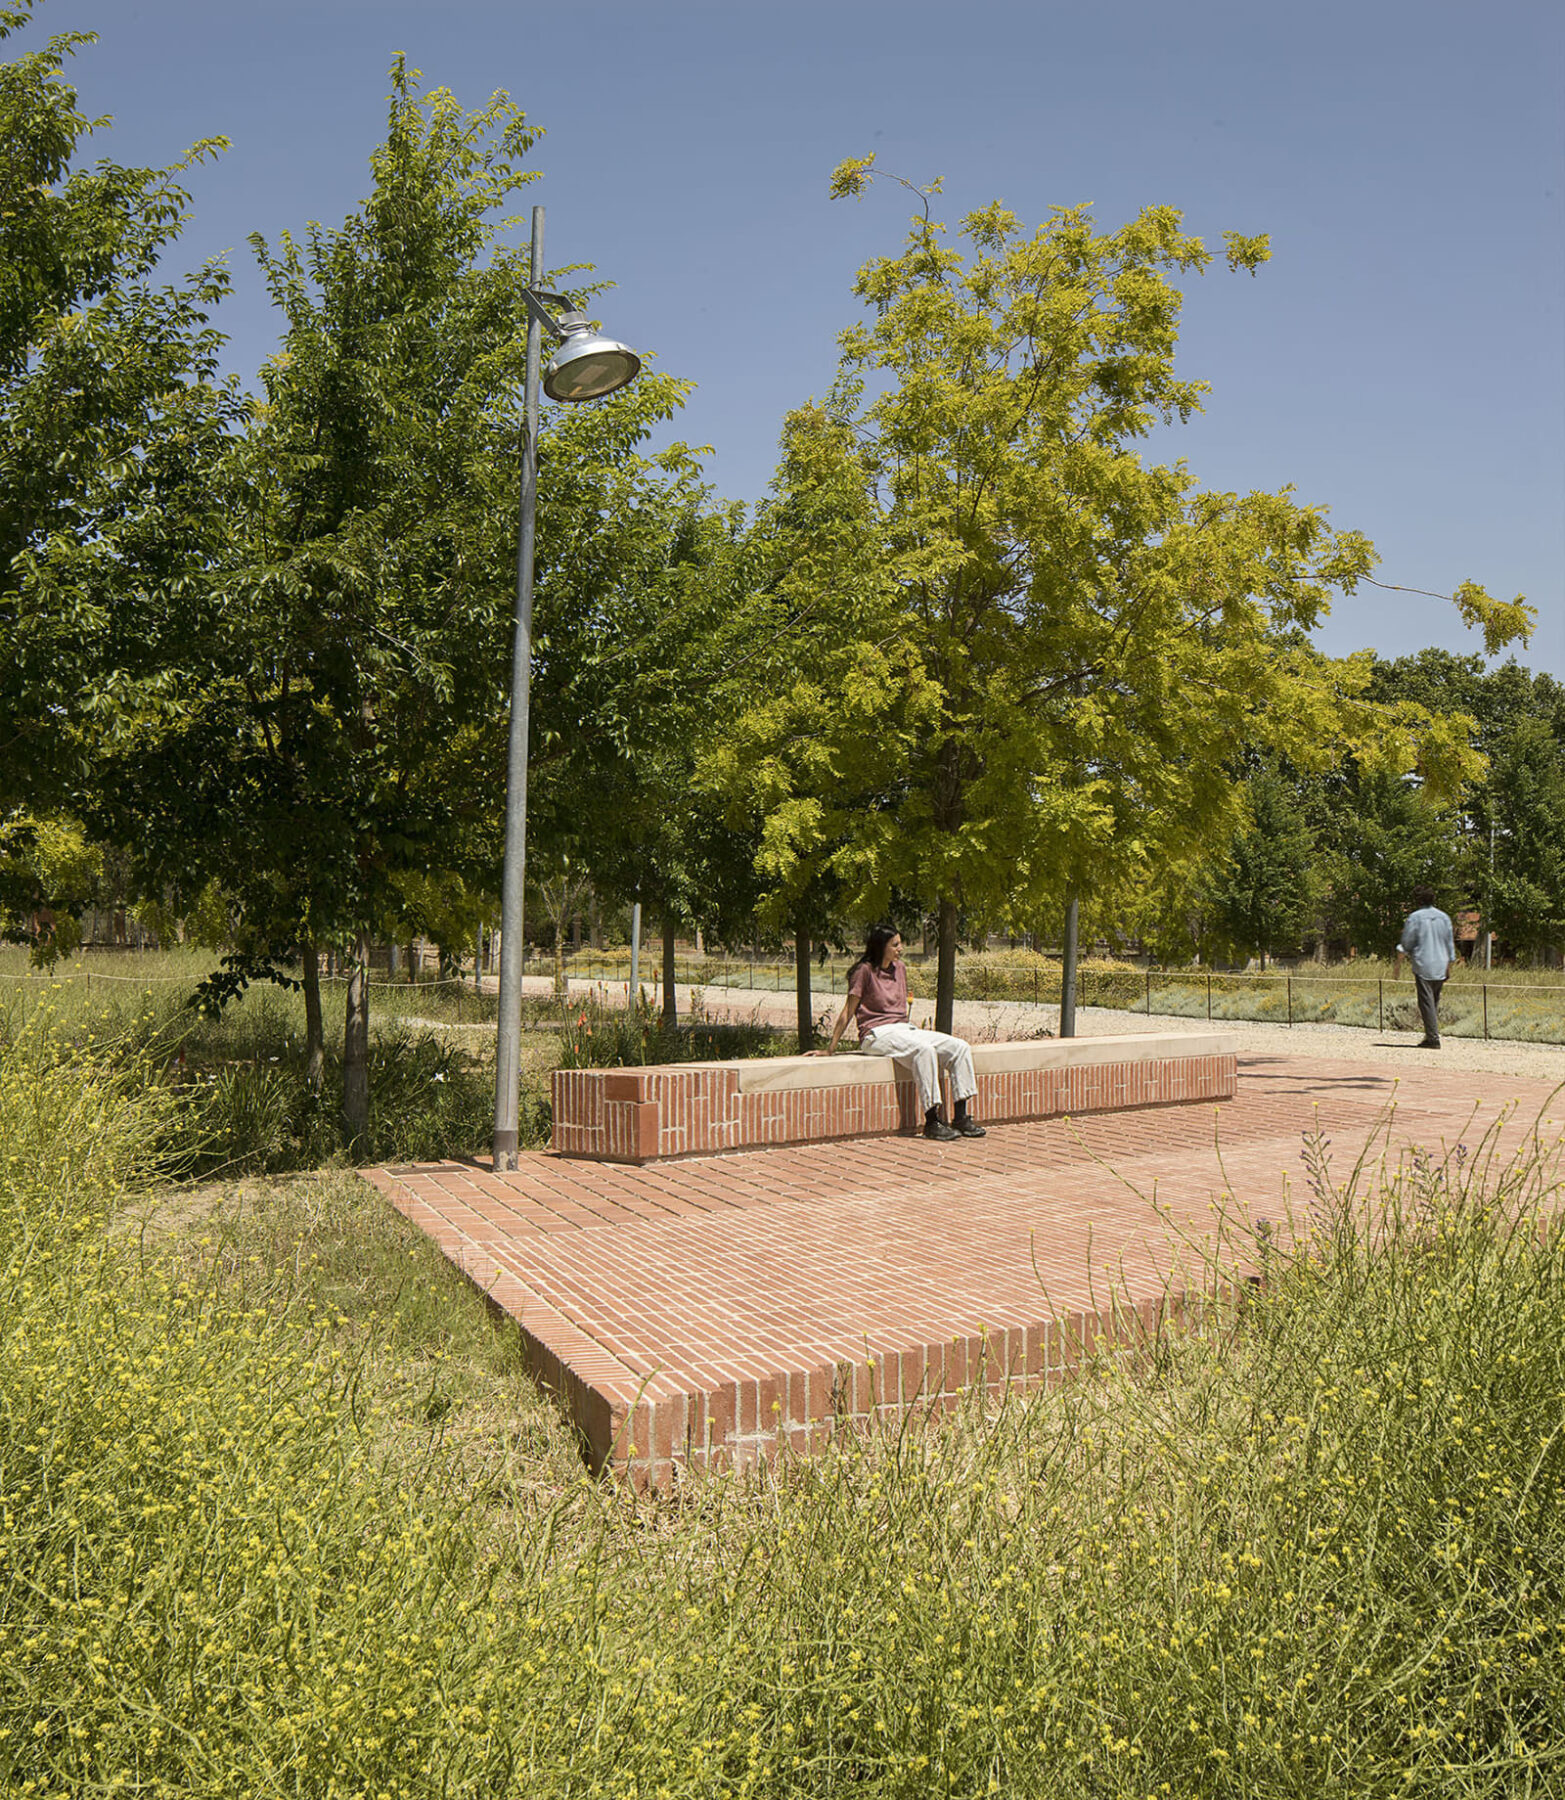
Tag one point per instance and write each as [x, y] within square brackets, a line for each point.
[211, 1581]
[599, 1036]
[1314, 1546]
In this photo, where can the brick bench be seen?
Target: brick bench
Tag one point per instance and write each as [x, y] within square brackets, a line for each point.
[695, 1109]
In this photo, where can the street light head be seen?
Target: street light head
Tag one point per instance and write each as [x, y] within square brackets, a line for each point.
[586, 366]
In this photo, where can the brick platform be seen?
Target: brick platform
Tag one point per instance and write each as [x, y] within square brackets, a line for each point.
[692, 1109]
[706, 1311]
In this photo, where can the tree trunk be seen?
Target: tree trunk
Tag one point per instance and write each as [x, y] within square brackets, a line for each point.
[356, 1044]
[314, 1028]
[561, 987]
[670, 998]
[392, 970]
[700, 943]
[945, 979]
[1068, 970]
[801, 989]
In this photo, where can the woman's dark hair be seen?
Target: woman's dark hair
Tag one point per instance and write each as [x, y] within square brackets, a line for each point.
[1423, 896]
[875, 947]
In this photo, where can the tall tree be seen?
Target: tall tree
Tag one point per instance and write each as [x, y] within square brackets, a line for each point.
[1080, 643]
[340, 670]
[335, 669]
[632, 673]
[1265, 893]
[112, 421]
[1385, 835]
[821, 705]
[1513, 824]
[1523, 881]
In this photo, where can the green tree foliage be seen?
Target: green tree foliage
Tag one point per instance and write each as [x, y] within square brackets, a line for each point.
[637, 577]
[817, 633]
[343, 707]
[1385, 836]
[1265, 895]
[111, 423]
[1512, 817]
[1050, 653]
[331, 677]
[48, 873]
[1525, 891]
[826, 703]
[262, 644]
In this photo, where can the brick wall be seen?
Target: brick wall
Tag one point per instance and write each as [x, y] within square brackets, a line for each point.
[648, 1435]
[637, 1115]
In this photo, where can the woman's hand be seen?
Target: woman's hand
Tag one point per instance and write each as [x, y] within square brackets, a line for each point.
[849, 1007]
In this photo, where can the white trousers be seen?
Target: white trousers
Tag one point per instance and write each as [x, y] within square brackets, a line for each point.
[923, 1054]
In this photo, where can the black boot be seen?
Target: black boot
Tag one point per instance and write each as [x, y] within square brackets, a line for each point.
[936, 1127]
[964, 1125]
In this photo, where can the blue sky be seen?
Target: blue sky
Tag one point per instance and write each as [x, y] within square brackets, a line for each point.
[1401, 359]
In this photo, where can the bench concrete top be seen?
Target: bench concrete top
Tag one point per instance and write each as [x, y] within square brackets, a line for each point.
[785, 1074]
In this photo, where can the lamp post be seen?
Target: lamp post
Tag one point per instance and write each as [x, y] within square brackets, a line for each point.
[585, 366]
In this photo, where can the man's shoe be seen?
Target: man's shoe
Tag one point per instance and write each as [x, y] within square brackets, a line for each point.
[940, 1131]
[969, 1128]
[1428, 1044]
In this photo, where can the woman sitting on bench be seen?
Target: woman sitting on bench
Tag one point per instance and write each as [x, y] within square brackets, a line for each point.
[877, 1003]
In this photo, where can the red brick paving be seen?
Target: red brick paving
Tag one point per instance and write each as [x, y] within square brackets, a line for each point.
[706, 1310]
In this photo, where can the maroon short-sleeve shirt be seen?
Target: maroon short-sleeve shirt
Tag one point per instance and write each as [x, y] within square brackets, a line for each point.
[882, 996]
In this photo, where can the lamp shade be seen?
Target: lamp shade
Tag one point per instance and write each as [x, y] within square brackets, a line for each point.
[587, 366]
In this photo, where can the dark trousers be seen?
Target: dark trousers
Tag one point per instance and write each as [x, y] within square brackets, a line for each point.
[1429, 1006]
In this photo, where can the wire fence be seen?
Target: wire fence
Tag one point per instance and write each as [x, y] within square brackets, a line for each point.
[1507, 1009]
[471, 1000]
[1470, 1007]
[89, 976]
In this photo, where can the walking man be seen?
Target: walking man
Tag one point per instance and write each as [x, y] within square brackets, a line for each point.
[1428, 943]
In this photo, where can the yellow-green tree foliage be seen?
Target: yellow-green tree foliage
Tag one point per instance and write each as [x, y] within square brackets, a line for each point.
[1015, 659]
[49, 872]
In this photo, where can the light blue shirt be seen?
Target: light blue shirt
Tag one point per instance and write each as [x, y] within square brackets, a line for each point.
[1427, 939]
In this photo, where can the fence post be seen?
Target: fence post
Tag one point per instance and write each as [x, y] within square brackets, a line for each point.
[1486, 1012]
[1290, 1000]
[1149, 993]
[1380, 1006]
[1209, 996]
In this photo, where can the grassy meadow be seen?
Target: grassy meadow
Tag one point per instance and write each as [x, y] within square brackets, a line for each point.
[240, 1098]
[281, 1514]
[236, 1084]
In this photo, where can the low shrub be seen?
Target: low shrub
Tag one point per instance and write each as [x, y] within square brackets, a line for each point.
[239, 1097]
[1029, 976]
[599, 1036]
[428, 1101]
